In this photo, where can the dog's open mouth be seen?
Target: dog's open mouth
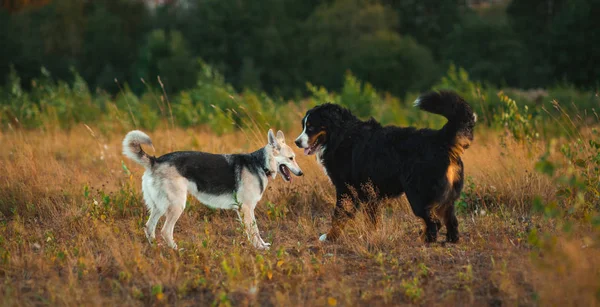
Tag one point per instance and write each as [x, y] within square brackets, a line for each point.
[285, 172]
[313, 148]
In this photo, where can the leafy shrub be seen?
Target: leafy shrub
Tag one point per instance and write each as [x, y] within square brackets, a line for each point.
[519, 123]
[49, 103]
[359, 97]
[215, 103]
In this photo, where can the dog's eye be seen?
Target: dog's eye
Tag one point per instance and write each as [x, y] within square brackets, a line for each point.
[310, 128]
[291, 158]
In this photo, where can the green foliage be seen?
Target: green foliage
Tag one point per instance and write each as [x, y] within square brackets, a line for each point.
[412, 289]
[48, 104]
[112, 36]
[360, 36]
[573, 50]
[493, 51]
[358, 97]
[214, 102]
[335, 31]
[554, 33]
[384, 58]
[457, 79]
[256, 45]
[574, 166]
[573, 100]
[427, 23]
[530, 20]
[276, 212]
[167, 56]
[468, 199]
[518, 122]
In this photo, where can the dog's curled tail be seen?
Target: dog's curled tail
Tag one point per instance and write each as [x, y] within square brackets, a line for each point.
[132, 148]
[461, 119]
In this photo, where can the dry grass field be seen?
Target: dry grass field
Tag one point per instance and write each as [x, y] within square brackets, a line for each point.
[71, 218]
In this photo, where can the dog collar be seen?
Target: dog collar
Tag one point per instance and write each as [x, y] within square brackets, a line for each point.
[268, 172]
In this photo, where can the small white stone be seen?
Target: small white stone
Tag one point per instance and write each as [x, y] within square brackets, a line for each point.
[253, 290]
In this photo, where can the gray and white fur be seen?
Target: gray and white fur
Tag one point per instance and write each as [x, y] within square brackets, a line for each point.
[223, 181]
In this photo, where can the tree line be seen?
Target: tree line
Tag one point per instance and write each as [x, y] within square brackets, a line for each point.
[277, 46]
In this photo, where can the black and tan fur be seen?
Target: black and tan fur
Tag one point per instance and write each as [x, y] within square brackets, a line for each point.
[424, 164]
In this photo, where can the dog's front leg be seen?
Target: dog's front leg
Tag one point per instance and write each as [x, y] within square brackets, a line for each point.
[345, 209]
[247, 217]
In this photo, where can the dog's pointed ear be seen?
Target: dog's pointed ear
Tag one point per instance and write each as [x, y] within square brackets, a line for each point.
[272, 140]
[280, 137]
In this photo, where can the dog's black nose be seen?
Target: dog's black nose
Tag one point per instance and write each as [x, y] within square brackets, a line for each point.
[300, 173]
[297, 143]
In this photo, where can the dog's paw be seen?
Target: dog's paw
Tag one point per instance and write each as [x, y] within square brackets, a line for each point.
[264, 243]
[149, 236]
[264, 247]
[323, 237]
[452, 238]
[260, 245]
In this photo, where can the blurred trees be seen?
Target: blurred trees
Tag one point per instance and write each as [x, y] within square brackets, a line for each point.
[16, 5]
[256, 44]
[489, 51]
[166, 54]
[114, 32]
[428, 21]
[278, 45]
[562, 39]
[575, 43]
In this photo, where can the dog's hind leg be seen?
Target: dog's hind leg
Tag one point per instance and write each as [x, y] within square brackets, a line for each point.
[451, 223]
[177, 196]
[423, 209]
[173, 215]
[155, 214]
[155, 202]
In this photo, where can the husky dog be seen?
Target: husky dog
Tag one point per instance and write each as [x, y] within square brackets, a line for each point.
[228, 181]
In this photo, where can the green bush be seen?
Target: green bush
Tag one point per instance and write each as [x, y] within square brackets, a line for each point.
[215, 103]
[359, 97]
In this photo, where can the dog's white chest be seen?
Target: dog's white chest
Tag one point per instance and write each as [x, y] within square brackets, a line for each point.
[251, 187]
[319, 157]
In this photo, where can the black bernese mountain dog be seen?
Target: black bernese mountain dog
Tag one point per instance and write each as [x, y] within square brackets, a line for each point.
[423, 163]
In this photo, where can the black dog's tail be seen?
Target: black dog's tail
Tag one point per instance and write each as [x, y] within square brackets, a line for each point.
[461, 118]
